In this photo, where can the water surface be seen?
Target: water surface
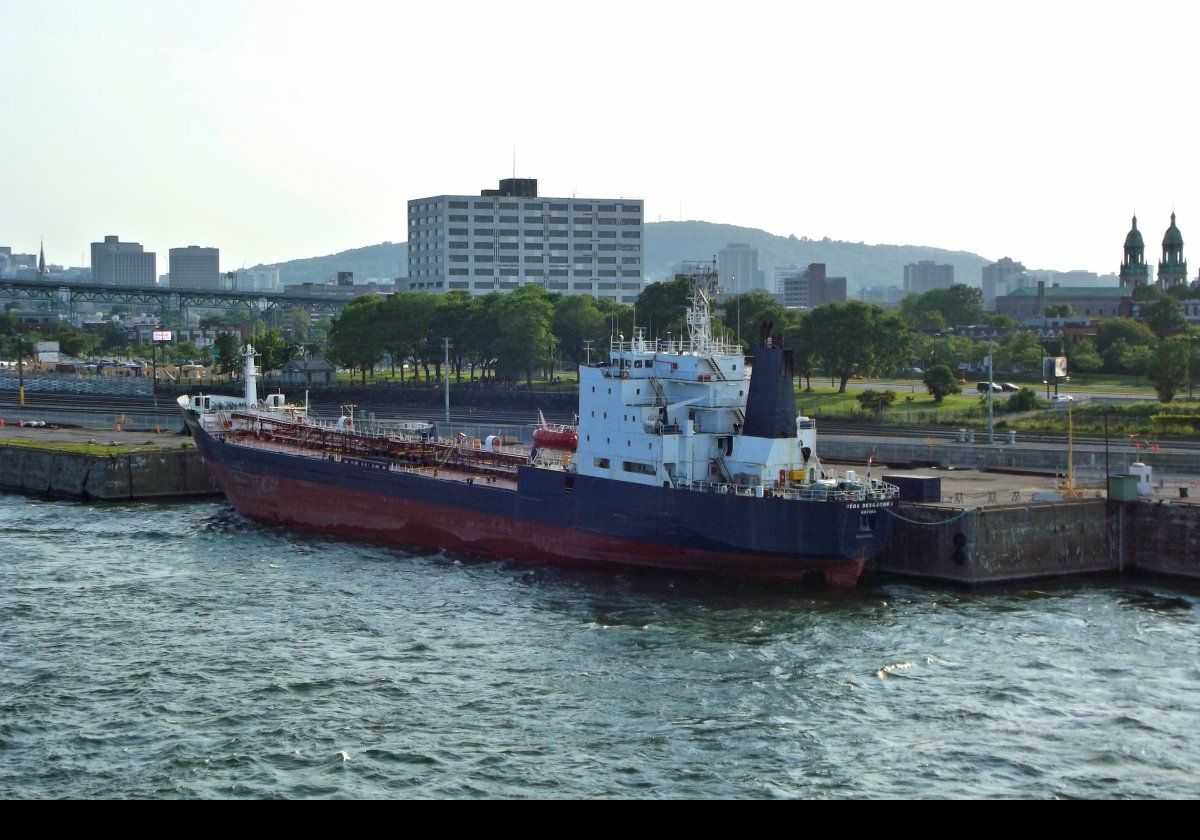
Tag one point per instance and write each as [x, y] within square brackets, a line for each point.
[180, 651]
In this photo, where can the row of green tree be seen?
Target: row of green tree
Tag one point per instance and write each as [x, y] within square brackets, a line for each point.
[532, 330]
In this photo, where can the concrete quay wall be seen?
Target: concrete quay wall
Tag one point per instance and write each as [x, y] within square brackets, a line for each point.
[1008, 543]
[152, 474]
[1000, 543]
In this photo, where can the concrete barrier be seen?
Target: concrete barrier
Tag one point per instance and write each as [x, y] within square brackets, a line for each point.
[949, 453]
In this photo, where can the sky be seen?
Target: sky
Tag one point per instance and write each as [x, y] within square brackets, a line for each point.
[278, 130]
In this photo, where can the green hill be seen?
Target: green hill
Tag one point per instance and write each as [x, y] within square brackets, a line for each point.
[384, 261]
[668, 243]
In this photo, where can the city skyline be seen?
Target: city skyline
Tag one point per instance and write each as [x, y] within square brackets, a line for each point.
[278, 135]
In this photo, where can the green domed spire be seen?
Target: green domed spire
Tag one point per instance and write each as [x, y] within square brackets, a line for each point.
[1134, 238]
[1173, 238]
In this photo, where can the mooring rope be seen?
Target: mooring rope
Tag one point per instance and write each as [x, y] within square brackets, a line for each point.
[954, 518]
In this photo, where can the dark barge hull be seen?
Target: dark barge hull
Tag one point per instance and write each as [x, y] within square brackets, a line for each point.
[552, 516]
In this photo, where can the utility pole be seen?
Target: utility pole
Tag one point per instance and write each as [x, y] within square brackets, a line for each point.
[154, 370]
[446, 377]
[1107, 470]
[20, 370]
[991, 387]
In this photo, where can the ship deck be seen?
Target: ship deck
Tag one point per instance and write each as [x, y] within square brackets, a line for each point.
[440, 472]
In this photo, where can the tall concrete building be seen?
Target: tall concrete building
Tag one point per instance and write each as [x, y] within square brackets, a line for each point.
[1172, 268]
[737, 269]
[195, 267]
[999, 279]
[812, 288]
[510, 237]
[926, 275]
[117, 263]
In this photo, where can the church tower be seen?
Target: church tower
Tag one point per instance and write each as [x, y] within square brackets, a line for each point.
[1172, 270]
[1134, 270]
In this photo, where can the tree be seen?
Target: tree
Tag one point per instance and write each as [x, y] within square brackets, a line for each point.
[1020, 350]
[956, 306]
[227, 352]
[940, 382]
[799, 337]
[525, 341]
[853, 336]
[1084, 357]
[1169, 372]
[451, 319]
[405, 330]
[355, 338]
[1164, 316]
[1114, 329]
[747, 313]
[578, 320]
[876, 401]
[1024, 400]
[663, 306]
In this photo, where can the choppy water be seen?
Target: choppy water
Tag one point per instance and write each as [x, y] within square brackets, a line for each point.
[180, 651]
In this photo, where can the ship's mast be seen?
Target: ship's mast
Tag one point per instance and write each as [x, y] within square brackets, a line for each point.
[699, 320]
[251, 374]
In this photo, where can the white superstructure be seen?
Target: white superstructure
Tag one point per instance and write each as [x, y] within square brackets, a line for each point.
[672, 413]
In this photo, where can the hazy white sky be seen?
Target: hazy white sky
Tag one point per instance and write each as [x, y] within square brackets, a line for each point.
[281, 130]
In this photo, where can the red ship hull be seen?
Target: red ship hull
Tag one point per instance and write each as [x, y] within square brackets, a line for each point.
[280, 500]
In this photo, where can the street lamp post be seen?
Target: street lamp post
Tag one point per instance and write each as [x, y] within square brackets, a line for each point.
[991, 387]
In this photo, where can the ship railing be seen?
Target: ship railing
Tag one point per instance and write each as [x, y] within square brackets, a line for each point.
[677, 347]
[660, 428]
[808, 493]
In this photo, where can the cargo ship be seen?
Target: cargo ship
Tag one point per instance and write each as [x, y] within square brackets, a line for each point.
[683, 460]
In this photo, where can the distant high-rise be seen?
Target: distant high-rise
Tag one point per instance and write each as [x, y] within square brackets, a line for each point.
[510, 237]
[117, 263]
[1172, 269]
[926, 275]
[1134, 269]
[257, 279]
[812, 288]
[737, 269]
[1000, 278]
[195, 267]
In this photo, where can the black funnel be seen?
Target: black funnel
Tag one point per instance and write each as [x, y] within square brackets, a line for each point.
[771, 406]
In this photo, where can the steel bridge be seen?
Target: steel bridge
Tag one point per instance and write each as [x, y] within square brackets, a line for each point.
[65, 295]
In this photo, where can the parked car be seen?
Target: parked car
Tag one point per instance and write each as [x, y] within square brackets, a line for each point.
[1061, 400]
[983, 387]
